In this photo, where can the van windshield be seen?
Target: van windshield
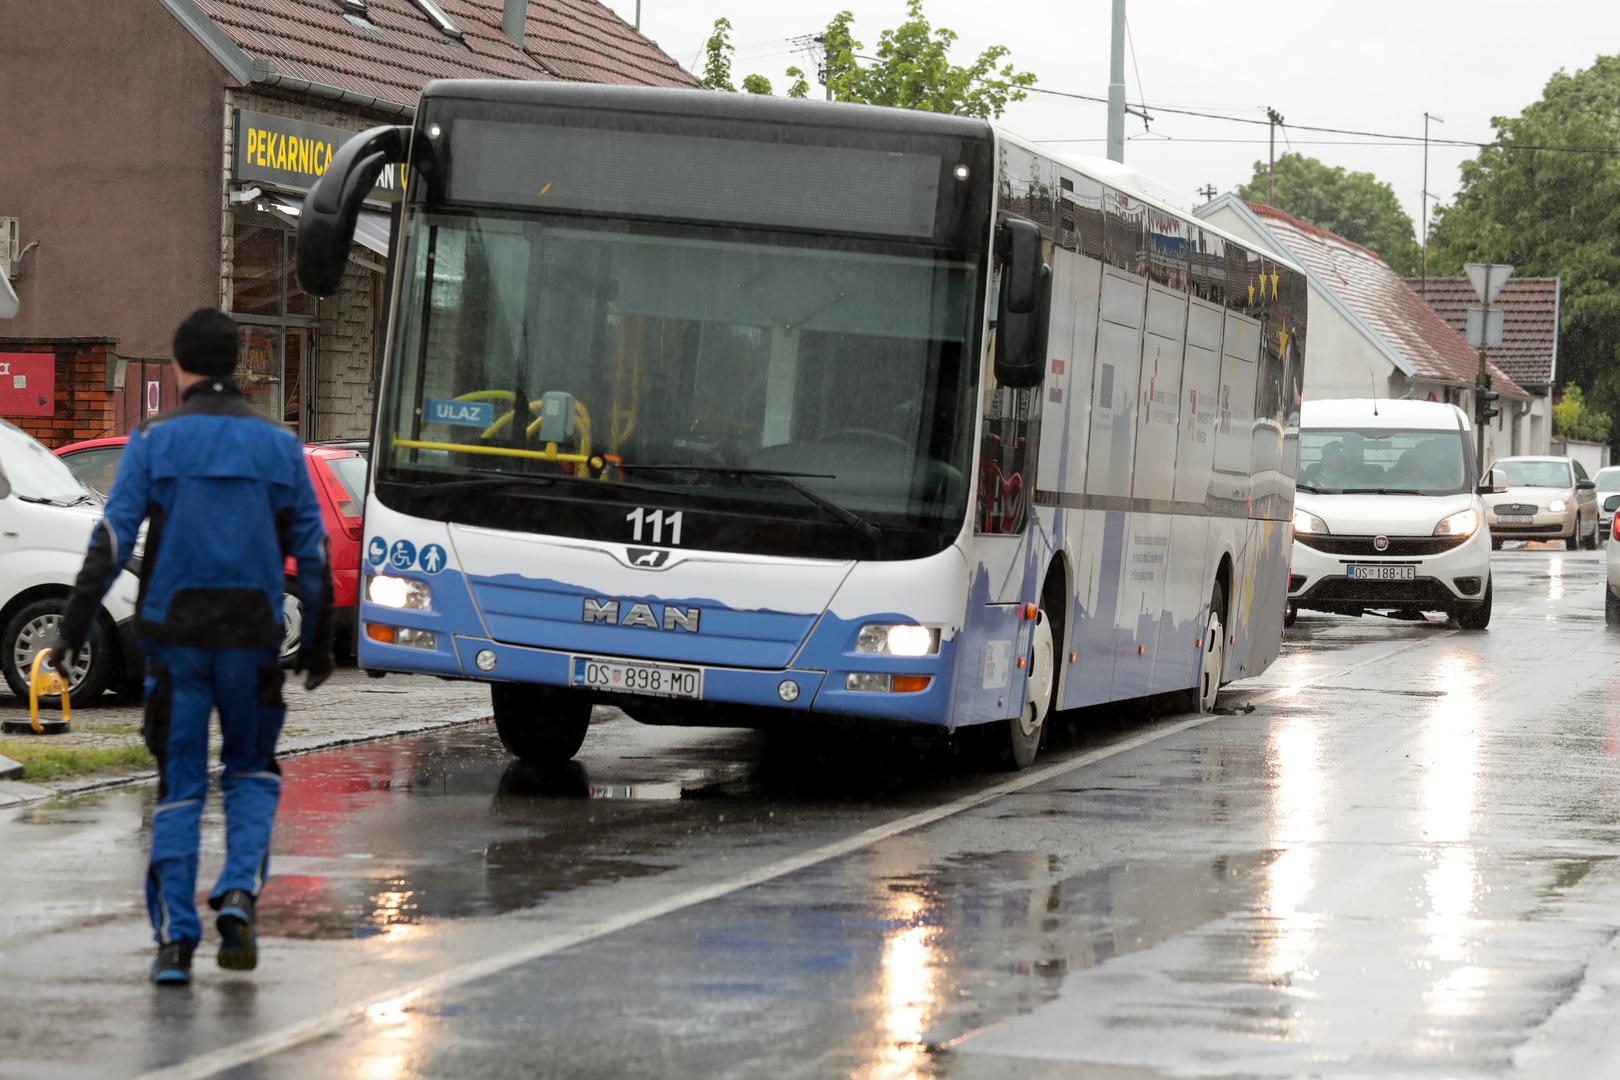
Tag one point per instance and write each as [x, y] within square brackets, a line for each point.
[1383, 461]
[35, 473]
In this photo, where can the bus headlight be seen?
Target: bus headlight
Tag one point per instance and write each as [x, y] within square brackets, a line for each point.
[898, 639]
[1307, 522]
[1463, 523]
[398, 592]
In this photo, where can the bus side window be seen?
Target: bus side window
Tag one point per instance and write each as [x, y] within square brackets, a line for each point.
[1005, 486]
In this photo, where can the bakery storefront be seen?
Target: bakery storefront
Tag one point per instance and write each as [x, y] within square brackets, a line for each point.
[304, 362]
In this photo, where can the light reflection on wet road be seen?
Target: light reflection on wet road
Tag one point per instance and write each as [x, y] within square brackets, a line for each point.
[1401, 863]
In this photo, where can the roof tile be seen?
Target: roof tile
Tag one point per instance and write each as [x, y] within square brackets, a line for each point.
[1379, 298]
[400, 51]
[1529, 349]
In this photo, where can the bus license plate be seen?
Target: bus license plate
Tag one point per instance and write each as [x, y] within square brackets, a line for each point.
[1515, 519]
[630, 678]
[1358, 572]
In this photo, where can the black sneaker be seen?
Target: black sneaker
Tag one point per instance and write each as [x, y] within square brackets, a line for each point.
[172, 965]
[238, 946]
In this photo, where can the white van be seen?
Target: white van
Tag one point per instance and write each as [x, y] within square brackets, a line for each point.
[46, 515]
[1388, 515]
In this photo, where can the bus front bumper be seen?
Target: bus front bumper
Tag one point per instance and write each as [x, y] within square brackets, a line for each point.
[793, 689]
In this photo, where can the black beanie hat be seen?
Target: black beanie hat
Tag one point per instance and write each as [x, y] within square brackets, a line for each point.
[205, 344]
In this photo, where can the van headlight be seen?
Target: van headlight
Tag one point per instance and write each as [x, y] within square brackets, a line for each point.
[397, 592]
[1462, 523]
[898, 639]
[1307, 522]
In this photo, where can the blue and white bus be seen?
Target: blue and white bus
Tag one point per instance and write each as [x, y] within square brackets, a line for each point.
[740, 410]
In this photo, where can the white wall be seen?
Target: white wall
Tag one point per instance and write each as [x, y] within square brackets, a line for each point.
[1593, 456]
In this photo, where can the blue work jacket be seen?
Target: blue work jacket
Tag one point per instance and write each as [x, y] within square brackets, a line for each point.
[228, 498]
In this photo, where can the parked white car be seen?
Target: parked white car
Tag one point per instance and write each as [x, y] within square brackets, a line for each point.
[46, 516]
[1388, 515]
[1611, 591]
[1547, 498]
[1608, 495]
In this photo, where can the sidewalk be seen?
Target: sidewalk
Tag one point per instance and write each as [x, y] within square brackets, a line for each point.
[351, 707]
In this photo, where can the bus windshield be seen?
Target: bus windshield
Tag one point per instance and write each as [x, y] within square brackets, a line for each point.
[573, 370]
[1383, 460]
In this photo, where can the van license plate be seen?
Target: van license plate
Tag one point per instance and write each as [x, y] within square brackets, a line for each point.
[1515, 519]
[1359, 572]
[630, 678]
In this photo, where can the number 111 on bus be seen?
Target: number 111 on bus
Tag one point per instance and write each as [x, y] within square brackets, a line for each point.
[655, 521]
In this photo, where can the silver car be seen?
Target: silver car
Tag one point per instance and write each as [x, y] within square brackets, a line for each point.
[1546, 498]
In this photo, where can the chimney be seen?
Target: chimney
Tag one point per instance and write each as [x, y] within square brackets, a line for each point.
[515, 20]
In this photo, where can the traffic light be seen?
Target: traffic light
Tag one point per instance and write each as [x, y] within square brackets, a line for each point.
[1485, 403]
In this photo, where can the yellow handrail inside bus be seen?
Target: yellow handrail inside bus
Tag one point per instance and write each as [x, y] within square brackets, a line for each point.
[43, 680]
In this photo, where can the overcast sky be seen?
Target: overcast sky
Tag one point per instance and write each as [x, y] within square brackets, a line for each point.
[1370, 65]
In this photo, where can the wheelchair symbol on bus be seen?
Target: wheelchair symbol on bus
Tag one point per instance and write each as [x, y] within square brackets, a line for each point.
[377, 551]
[402, 555]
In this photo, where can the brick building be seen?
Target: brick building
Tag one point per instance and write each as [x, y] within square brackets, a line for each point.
[158, 151]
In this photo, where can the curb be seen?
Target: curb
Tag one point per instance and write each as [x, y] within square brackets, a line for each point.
[15, 793]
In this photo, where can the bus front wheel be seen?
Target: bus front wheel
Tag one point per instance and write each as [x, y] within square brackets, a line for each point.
[1013, 743]
[539, 724]
[1212, 652]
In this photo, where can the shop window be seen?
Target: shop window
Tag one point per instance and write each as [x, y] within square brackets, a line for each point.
[277, 318]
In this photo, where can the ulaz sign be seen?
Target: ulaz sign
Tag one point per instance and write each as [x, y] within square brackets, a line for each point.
[293, 154]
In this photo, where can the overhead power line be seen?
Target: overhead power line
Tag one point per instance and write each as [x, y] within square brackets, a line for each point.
[1383, 136]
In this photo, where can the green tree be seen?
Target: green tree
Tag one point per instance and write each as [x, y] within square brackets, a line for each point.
[1573, 418]
[1552, 212]
[1356, 205]
[912, 69]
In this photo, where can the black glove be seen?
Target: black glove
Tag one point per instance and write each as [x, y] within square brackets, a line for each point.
[317, 662]
[63, 654]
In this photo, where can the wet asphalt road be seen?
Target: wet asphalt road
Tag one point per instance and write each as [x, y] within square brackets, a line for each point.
[1402, 862]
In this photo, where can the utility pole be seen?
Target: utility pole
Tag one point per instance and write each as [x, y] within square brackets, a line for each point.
[1423, 267]
[1208, 192]
[638, 14]
[1116, 86]
[1271, 165]
[1487, 279]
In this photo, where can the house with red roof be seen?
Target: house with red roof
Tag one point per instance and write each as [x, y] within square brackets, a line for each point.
[158, 153]
[1371, 335]
[1529, 349]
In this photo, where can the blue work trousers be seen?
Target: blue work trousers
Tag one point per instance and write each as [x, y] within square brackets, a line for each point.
[184, 685]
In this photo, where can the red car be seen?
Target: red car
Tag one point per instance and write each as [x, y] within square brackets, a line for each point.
[339, 476]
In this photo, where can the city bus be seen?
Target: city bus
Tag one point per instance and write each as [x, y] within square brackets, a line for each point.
[737, 410]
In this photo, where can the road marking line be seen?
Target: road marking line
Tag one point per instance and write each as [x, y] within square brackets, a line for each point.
[333, 1021]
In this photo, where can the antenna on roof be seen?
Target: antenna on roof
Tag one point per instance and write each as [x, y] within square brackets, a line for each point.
[1374, 379]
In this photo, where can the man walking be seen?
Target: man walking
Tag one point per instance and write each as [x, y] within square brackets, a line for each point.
[228, 498]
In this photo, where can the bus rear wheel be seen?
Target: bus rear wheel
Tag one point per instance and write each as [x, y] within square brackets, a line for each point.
[540, 725]
[1212, 652]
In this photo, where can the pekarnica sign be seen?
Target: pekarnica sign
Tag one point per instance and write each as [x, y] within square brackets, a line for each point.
[292, 154]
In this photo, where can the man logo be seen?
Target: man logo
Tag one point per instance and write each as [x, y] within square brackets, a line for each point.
[1380, 543]
[643, 615]
[650, 558]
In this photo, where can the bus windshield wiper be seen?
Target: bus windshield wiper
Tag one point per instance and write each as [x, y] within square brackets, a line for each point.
[786, 479]
[519, 481]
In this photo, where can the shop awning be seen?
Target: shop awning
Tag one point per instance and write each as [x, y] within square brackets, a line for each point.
[372, 231]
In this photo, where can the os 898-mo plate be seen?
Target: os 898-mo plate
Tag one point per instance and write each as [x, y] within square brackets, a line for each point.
[628, 677]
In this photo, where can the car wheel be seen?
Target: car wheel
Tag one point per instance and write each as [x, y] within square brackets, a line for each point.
[1476, 616]
[1572, 542]
[1496, 545]
[1611, 608]
[1592, 538]
[292, 626]
[1290, 615]
[541, 725]
[33, 628]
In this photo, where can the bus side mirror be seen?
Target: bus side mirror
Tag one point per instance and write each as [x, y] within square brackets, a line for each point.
[326, 226]
[1024, 305]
